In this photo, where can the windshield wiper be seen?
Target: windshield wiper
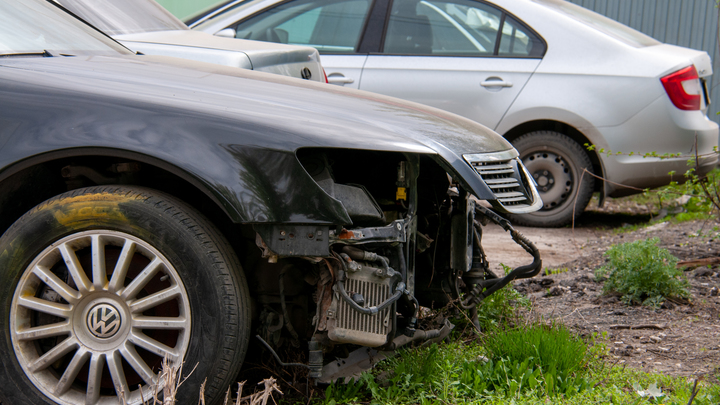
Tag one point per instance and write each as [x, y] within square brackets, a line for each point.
[43, 54]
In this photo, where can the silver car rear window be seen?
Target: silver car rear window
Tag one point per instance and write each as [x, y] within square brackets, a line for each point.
[115, 17]
[601, 23]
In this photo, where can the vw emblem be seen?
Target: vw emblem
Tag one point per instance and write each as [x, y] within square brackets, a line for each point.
[305, 73]
[103, 321]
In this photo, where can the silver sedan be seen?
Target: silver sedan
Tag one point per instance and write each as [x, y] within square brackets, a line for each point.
[548, 75]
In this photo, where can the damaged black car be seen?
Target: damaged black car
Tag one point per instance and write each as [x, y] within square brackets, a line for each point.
[155, 208]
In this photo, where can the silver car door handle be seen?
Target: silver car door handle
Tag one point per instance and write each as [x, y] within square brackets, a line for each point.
[338, 78]
[497, 82]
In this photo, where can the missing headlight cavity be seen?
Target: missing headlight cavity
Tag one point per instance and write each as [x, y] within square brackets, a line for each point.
[369, 183]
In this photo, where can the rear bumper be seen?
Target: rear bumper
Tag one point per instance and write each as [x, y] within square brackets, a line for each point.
[659, 129]
[653, 172]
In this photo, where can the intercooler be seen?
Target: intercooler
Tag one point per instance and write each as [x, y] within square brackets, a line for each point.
[347, 325]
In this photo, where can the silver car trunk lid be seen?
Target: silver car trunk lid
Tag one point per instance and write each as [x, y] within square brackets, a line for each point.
[289, 60]
[683, 57]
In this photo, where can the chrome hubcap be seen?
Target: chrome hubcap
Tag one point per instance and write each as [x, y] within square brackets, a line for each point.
[94, 315]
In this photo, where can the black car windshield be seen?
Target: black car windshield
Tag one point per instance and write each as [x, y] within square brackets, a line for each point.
[39, 27]
[117, 17]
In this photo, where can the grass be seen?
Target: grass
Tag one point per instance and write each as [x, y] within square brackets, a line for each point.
[502, 307]
[463, 373]
[548, 358]
[557, 270]
[530, 363]
[643, 273]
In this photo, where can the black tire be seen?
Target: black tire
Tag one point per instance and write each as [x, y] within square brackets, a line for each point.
[196, 267]
[557, 163]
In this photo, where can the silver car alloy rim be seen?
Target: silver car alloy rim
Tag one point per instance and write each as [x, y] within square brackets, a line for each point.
[553, 177]
[93, 316]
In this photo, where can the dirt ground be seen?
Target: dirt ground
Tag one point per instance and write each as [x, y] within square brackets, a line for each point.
[681, 338]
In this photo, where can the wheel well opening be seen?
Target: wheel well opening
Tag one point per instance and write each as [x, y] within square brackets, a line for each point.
[28, 187]
[563, 128]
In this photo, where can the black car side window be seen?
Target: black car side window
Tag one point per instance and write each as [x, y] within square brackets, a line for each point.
[331, 26]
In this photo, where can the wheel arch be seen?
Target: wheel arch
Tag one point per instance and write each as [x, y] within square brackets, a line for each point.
[31, 181]
[565, 129]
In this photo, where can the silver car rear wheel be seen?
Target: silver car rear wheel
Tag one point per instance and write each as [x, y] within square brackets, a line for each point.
[556, 162]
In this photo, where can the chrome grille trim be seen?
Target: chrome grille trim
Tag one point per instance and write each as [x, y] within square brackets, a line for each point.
[500, 177]
[507, 178]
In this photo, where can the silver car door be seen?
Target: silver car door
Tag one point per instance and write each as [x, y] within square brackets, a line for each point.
[331, 26]
[454, 55]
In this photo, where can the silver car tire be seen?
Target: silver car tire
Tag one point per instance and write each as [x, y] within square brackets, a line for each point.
[556, 162]
[100, 284]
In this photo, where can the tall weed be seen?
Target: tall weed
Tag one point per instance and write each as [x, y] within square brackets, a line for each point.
[643, 273]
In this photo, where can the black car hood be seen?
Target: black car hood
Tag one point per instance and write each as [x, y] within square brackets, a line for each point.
[295, 113]
[230, 132]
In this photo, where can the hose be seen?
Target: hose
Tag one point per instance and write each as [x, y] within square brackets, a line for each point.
[278, 357]
[490, 286]
[399, 289]
[288, 324]
[363, 255]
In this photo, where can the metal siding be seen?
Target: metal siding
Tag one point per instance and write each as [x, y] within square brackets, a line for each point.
[601, 6]
[613, 9]
[688, 23]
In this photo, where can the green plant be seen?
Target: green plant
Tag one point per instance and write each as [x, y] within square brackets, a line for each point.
[502, 306]
[643, 273]
[345, 393]
[557, 270]
[408, 377]
[546, 358]
[462, 374]
[697, 195]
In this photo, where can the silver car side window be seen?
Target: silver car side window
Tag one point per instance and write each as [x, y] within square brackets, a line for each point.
[428, 27]
[329, 25]
[515, 40]
[455, 28]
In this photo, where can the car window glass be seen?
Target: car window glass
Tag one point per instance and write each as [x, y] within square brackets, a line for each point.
[456, 27]
[328, 25]
[36, 26]
[442, 28]
[124, 17]
[516, 40]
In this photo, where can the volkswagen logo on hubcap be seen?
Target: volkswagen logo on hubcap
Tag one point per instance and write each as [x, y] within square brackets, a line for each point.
[103, 321]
